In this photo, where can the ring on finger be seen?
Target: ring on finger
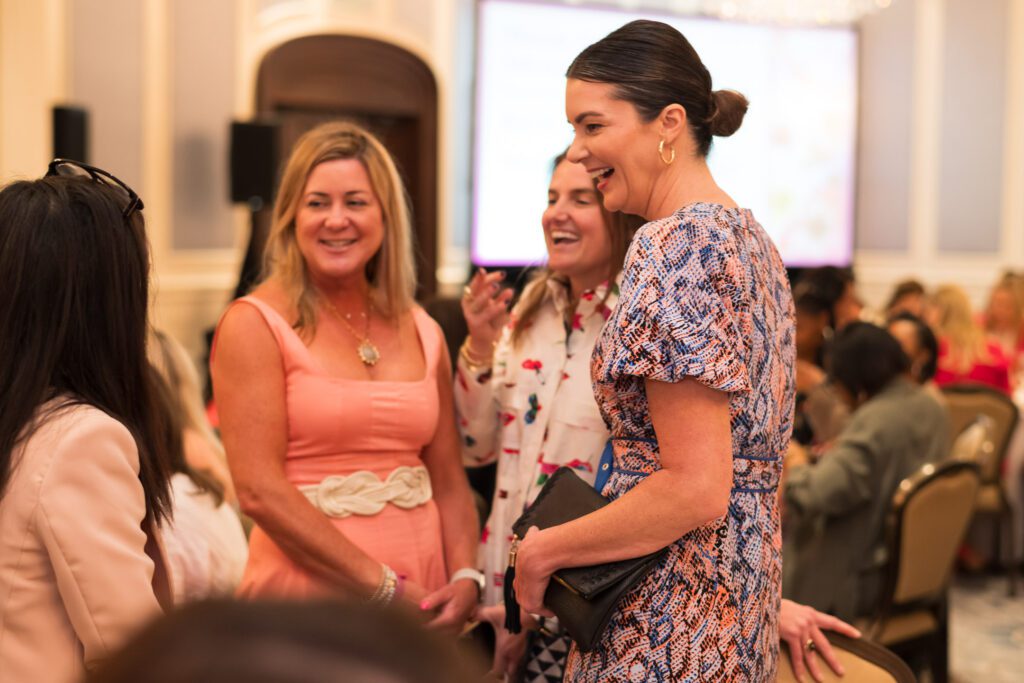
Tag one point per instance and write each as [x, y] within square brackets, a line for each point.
[467, 292]
[809, 645]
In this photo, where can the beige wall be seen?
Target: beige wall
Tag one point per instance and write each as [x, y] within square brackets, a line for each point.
[950, 208]
[162, 79]
[162, 87]
[32, 80]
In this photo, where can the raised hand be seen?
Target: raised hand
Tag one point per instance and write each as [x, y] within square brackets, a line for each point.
[485, 305]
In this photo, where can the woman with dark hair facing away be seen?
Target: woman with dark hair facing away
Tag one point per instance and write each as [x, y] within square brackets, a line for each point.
[84, 441]
[693, 373]
[836, 506]
[920, 346]
[334, 391]
[831, 303]
[826, 301]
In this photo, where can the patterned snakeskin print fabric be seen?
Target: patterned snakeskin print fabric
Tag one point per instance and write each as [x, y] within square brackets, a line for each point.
[704, 295]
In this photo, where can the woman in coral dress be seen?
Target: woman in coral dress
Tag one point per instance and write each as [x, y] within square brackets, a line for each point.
[334, 394]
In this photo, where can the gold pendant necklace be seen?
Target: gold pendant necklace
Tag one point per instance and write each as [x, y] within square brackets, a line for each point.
[367, 351]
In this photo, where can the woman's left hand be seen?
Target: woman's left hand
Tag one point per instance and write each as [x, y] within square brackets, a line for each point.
[800, 626]
[532, 574]
[454, 603]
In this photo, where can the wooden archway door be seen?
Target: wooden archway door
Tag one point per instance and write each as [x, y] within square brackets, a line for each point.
[380, 86]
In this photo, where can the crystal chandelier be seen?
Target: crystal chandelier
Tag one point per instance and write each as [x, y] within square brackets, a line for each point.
[821, 12]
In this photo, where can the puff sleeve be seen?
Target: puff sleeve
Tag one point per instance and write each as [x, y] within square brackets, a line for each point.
[682, 309]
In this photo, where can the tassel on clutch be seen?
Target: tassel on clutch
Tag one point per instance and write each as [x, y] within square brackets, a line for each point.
[513, 623]
[583, 598]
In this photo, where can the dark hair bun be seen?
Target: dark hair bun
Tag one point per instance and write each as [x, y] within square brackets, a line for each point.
[727, 111]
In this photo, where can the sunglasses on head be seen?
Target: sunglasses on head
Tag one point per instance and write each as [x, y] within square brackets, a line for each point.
[76, 169]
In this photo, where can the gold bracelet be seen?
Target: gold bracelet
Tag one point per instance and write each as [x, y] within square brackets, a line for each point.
[473, 362]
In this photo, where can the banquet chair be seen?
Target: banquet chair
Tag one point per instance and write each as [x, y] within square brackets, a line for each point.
[967, 403]
[974, 443]
[927, 521]
[862, 660]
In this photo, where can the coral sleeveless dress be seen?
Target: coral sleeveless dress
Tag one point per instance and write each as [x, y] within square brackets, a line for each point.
[337, 427]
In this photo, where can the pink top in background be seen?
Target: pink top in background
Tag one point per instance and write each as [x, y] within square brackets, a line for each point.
[993, 370]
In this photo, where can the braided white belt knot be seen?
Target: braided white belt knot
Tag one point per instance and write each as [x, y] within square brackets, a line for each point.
[363, 493]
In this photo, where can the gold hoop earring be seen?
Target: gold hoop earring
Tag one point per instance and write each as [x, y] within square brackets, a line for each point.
[661, 153]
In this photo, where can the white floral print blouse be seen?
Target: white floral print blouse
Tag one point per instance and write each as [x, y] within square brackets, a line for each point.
[533, 412]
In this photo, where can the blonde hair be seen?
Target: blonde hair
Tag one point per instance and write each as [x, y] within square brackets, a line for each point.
[956, 324]
[620, 227]
[391, 271]
[184, 399]
[1012, 283]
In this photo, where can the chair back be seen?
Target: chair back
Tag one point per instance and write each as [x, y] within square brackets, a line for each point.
[968, 401]
[927, 522]
[863, 661]
[974, 443]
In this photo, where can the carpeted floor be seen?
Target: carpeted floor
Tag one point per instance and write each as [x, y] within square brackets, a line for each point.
[986, 631]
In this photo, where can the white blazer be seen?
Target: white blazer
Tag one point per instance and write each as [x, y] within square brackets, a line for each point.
[75, 579]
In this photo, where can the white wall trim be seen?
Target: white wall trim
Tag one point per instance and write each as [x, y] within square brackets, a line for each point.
[57, 40]
[33, 78]
[878, 271]
[262, 31]
[444, 25]
[926, 108]
[207, 269]
[157, 157]
[1012, 237]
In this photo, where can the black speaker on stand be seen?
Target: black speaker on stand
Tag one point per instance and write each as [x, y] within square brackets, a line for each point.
[252, 172]
[71, 133]
[254, 158]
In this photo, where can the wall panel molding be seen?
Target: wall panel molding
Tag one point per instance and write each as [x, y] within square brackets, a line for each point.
[31, 33]
[1012, 234]
[885, 123]
[974, 67]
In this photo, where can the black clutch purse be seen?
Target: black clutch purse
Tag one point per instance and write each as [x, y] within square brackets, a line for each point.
[581, 597]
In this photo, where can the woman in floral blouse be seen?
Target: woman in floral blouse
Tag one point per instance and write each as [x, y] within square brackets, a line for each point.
[524, 398]
[522, 389]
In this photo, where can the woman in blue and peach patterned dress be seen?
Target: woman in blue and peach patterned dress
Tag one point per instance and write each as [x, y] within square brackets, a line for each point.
[693, 373]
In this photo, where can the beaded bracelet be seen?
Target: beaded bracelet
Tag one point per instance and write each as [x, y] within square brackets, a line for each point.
[387, 587]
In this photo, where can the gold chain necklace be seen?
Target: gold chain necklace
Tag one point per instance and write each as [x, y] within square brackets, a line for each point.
[368, 352]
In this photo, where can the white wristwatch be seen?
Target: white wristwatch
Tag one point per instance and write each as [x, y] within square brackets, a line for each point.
[473, 575]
